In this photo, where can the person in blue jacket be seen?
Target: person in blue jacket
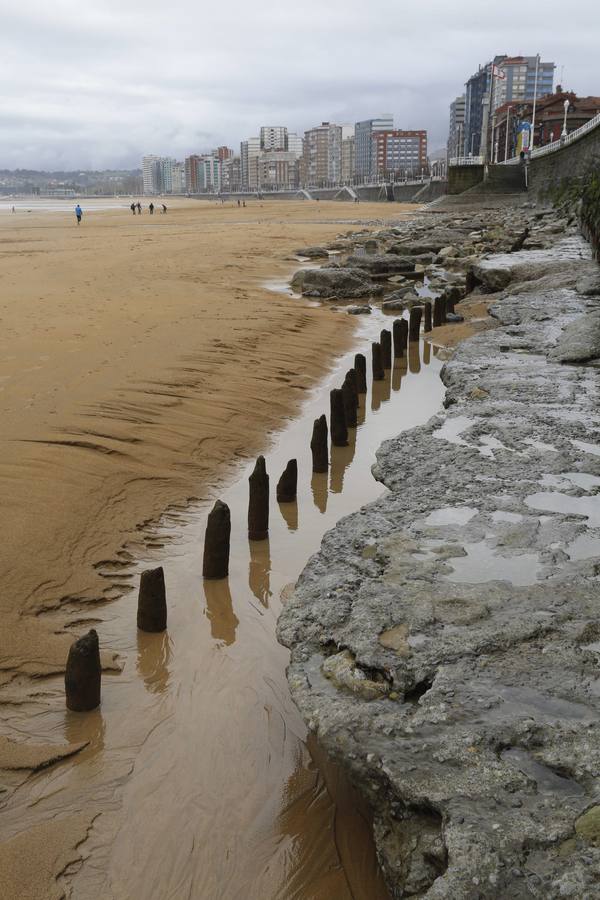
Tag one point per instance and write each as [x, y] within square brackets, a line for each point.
[78, 213]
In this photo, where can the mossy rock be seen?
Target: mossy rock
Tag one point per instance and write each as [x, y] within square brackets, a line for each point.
[587, 826]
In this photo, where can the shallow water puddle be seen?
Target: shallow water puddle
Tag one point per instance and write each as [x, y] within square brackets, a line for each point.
[554, 501]
[198, 761]
[483, 564]
[451, 515]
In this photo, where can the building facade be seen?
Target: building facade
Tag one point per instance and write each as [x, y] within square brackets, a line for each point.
[456, 132]
[363, 143]
[399, 153]
[249, 153]
[157, 174]
[231, 174]
[273, 137]
[516, 80]
[322, 162]
[514, 121]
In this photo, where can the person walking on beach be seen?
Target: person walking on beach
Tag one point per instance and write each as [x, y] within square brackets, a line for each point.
[139, 208]
[78, 213]
[151, 208]
[132, 208]
[164, 208]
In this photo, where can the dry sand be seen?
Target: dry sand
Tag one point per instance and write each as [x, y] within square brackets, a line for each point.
[140, 358]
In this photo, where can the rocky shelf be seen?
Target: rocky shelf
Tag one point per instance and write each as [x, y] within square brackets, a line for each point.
[445, 640]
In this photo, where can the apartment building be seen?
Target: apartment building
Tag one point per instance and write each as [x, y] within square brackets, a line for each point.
[363, 142]
[322, 161]
[456, 132]
[515, 80]
[399, 153]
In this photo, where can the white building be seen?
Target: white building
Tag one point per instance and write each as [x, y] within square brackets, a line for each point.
[178, 178]
[150, 174]
[295, 144]
[157, 173]
[249, 153]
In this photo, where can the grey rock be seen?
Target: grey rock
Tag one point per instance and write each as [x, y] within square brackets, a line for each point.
[579, 342]
[382, 265]
[313, 252]
[481, 635]
[334, 283]
[589, 285]
[358, 310]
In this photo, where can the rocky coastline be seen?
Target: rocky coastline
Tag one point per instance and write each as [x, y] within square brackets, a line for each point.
[445, 641]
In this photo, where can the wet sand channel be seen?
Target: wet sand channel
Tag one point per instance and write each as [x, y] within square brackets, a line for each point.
[197, 767]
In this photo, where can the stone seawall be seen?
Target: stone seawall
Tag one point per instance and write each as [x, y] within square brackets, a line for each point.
[445, 639]
[551, 176]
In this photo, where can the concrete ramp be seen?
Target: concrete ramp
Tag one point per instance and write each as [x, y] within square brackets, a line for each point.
[346, 193]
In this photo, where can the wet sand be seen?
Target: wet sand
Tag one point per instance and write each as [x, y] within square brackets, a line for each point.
[139, 358]
[141, 361]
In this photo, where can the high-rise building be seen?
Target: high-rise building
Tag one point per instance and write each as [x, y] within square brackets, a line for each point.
[150, 174]
[278, 169]
[273, 137]
[157, 173]
[231, 174]
[178, 185]
[295, 144]
[515, 79]
[203, 174]
[249, 152]
[347, 169]
[222, 153]
[363, 142]
[476, 89]
[399, 152]
[323, 154]
[501, 80]
[456, 133]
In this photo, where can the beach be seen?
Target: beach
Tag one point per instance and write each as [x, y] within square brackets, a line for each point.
[143, 361]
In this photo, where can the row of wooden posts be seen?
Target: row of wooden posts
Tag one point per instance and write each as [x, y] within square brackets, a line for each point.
[83, 671]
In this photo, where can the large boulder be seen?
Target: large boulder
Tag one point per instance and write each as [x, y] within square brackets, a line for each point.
[579, 342]
[312, 252]
[334, 283]
[382, 264]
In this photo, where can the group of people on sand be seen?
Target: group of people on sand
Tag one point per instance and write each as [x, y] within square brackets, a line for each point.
[137, 207]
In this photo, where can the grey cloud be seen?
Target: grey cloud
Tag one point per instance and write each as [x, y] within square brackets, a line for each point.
[100, 83]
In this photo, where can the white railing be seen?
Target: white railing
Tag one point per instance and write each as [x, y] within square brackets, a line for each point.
[560, 143]
[466, 161]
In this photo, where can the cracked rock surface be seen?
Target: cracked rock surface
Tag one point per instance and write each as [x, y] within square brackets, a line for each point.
[446, 638]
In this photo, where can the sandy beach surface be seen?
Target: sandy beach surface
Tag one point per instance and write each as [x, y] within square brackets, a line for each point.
[142, 359]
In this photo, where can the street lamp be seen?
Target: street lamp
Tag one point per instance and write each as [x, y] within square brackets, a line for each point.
[564, 131]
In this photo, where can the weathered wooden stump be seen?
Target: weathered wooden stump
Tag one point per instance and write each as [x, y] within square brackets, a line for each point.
[319, 445]
[339, 430]
[385, 339]
[426, 316]
[437, 312]
[217, 539]
[287, 486]
[378, 373]
[360, 367]
[83, 674]
[400, 332]
[414, 323]
[152, 601]
[350, 396]
[258, 505]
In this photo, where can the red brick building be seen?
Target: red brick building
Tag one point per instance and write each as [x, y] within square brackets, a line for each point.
[549, 120]
[400, 153]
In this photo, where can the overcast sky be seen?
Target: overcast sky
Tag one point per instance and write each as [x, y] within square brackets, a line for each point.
[98, 83]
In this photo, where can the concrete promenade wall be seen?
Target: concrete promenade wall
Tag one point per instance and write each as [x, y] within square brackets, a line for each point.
[463, 178]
